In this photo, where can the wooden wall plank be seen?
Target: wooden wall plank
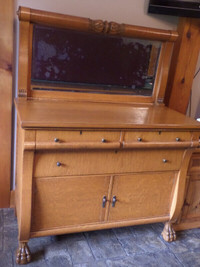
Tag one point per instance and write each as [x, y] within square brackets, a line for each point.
[184, 60]
[6, 54]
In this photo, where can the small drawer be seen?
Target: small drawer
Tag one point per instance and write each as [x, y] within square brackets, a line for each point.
[77, 139]
[77, 136]
[157, 136]
[105, 162]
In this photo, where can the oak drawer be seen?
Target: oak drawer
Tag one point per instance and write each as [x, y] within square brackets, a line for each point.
[105, 162]
[77, 136]
[77, 139]
[160, 139]
[159, 136]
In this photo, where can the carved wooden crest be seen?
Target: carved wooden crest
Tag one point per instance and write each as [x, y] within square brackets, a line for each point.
[100, 26]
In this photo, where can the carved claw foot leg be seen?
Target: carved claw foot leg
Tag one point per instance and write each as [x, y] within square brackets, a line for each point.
[168, 232]
[23, 255]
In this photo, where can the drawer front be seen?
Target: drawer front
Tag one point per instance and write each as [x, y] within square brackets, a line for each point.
[100, 162]
[77, 136]
[157, 136]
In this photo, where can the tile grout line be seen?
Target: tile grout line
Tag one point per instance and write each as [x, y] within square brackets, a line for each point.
[168, 248]
[87, 240]
[176, 257]
[121, 243]
[69, 254]
[3, 236]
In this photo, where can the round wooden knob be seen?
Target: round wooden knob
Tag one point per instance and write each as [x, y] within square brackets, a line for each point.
[58, 163]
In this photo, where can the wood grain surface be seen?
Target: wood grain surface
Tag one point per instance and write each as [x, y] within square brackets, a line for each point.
[183, 65]
[142, 195]
[62, 114]
[6, 53]
[190, 215]
[101, 162]
[85, 24]
[68, 201]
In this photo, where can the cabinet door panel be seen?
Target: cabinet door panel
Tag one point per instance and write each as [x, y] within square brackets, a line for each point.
[192, 202]
[194, 164]
[142, 195]
[67, 201]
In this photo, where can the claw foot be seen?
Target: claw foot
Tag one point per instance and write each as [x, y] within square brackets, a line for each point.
[168, 232]
[23, 255]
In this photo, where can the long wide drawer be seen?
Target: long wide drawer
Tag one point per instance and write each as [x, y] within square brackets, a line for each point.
[102, 162]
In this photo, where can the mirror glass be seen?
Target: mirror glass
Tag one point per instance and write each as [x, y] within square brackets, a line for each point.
[77, 61]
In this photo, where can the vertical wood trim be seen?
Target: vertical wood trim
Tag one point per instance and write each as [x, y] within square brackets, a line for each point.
[168, 48]
[185, 208]
[26, 196]
[25, 187]
[178, 197]
[109, 197]
[23, 68]
[6, 63]
[184, 60]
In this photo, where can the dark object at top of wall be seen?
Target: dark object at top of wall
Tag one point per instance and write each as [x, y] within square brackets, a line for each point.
[189, 8]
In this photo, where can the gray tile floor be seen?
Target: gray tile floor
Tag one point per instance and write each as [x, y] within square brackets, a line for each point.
[130, 246]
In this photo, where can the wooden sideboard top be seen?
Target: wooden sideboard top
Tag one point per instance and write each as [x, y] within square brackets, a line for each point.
[66, 114]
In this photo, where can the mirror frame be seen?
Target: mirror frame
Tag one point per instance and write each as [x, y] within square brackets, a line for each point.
[28, 17]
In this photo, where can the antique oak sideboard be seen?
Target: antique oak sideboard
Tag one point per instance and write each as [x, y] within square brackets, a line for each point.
[96, 147]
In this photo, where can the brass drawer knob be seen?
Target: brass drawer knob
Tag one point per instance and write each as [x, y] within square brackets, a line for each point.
[165, 160]
[56, 140]
[103, 140]
[178, 139]
[58, 163]
[139, 139]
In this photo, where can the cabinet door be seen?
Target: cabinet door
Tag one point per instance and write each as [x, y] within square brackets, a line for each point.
[191, 208]
[65, 201]
[142, 195]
